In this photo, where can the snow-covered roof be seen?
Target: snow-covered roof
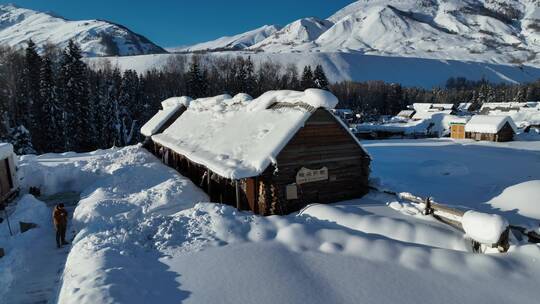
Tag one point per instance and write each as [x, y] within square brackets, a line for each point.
[502, 106]
[459, 119]
[170, 107]
[421, 106]
[489, 123]
[464, 106]
[420, 115]
[5, 150]
[406, 113]
[236, 138]
[445, 106]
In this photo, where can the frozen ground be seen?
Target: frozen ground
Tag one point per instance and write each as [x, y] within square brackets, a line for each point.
[466, 173]
[145, 234]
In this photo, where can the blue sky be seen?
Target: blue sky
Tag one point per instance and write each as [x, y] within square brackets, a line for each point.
[174, 23]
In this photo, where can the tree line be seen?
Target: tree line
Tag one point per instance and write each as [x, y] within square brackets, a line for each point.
[53, 101]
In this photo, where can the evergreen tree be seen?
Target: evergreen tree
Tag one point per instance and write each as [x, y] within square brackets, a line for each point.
[74, 99]
[51, 115]
[319, 78]
[128, 105]
[109, 107]
[307, 78]
[196, 80]
[520, 95]
[32, 105]
[21, 140]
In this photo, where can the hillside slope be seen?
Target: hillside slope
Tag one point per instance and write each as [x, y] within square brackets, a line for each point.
[236, 42]
[340, 66]
[95, 37]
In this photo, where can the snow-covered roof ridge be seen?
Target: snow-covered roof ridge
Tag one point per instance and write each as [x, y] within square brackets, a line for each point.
[175, 101]
[6, 150]
[170, 107]
[237, 137]
[489, 123]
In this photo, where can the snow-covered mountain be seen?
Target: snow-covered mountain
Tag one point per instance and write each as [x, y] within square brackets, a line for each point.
[95, 37]
[302, 31]
[236, 42]
[494, 31]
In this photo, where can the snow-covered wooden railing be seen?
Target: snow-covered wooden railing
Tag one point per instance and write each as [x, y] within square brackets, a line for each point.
[490, 230]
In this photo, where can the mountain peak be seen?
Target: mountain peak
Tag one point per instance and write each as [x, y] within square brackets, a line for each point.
[96, 37]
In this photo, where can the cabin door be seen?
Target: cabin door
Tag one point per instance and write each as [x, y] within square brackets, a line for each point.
[5, 178]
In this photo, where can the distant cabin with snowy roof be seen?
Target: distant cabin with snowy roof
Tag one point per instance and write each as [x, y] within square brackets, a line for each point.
[8, 176]
[407, 114]
[427, 110]
[271, 155]
[497, 128]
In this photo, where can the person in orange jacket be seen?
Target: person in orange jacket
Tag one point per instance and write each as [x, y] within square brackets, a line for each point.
[60, 218]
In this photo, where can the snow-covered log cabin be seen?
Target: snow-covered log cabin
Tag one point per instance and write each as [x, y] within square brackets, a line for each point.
[271, 155]
[497, 128]
[8, 173]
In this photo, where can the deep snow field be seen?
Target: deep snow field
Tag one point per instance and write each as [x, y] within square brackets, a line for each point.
[145, 234]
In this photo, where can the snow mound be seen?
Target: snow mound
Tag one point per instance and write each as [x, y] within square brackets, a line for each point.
[31, 210]
[17, 253]
[521, 197]
[482, 227]
[395, 229]
[5, 150]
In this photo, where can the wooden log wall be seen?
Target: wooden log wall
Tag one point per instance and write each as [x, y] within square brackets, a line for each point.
[322, 142]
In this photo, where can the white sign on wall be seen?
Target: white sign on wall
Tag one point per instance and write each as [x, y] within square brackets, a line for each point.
[306, 175]
[292, 192]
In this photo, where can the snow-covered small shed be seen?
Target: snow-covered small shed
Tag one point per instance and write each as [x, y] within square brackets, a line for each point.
[172, 108]
[270, 155]
[9, 185]
[491, 128]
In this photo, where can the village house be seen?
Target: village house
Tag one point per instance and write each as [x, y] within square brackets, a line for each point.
[497, 128]
[498, 108]
[457, 126]
[271, 155]
[9, 184]
[427, 110]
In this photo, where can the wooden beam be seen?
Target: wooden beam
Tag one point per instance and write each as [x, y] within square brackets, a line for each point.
[209, 183]
[237, 189]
